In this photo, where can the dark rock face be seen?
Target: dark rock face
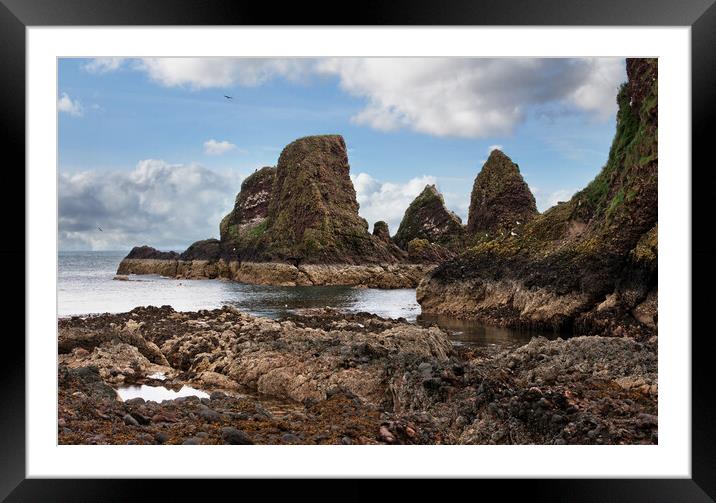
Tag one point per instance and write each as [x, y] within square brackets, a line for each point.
[147, 252]
[207, 249]
[313, 213]
[500, 198]
[427, 218]
[251, 207]
[588, 264]
[381, 231]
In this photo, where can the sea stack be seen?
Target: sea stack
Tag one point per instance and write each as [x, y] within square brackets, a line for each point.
[250, 209]
[500, 199]
[428, 219]
[313, 212]
[586, 265]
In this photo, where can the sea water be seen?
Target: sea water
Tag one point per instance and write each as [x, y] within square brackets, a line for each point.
[85, 285]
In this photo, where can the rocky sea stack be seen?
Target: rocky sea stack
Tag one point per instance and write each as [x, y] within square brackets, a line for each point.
[427, 218]
[500, 199]
[313, 212]
[250, 210]
[295, 224]
[381, 231]
[588, 265]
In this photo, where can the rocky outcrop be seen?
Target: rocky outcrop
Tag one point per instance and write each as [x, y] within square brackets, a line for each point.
[297, 223]
[587, 265]
[147, 252]
[328, 377]
[250, 210]
[428, 219]
[500, 200]
[207, 249]
[313, 213]
[381, 231]
[400, 275]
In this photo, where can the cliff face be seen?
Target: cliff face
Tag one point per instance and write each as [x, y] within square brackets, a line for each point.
[500, 199]
[588, 264]
[428, 219]
[251, 208]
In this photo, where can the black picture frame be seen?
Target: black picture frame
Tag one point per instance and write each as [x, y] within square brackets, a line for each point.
[700, 15]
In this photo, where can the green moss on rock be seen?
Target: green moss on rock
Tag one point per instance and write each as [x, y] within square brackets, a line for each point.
[588, 243]
[428, 219]
[312, 213]
[250, 209]
[500, 198]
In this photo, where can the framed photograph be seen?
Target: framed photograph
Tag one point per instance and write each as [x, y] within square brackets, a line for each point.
[421, 242]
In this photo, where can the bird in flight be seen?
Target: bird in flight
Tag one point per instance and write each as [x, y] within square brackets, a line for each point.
[100, 228]
[228, 97]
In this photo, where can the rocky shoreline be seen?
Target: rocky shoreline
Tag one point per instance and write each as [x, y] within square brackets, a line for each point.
[386, 276]
[325, 377]
[588, 265]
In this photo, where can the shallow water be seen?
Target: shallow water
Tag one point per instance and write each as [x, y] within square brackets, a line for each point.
[472, 332]
[85, 286]
[157, 393]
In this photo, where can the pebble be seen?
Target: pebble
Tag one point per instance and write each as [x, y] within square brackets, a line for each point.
[210, 415]
[233, 436]
[129, 420]
[386, 435]
[160, 437]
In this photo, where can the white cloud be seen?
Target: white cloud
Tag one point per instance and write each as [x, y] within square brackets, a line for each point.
[200, 73]
[493, 147]
[164, 205]
[472, 97]
[598, 89]
[67, 105]
[213, 147]
[385, 200]
[460, 97]
[103, 65]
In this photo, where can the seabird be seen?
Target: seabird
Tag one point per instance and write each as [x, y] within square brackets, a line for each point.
[228, 97]
[100, 228]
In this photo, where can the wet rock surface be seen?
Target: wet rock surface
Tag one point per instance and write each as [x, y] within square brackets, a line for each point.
[327, 377]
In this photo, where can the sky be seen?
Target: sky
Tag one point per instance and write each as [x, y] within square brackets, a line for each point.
[151, 151]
